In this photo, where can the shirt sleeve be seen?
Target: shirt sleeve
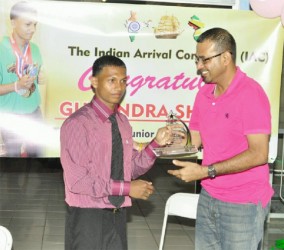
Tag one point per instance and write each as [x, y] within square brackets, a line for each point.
[79, 176]
[256, 114]
[142, 161]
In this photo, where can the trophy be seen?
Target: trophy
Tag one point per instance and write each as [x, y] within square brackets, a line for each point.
[181, 142]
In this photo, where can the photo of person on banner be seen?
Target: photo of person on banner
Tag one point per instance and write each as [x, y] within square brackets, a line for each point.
[20, 74]
[100, 163]
[231, 119]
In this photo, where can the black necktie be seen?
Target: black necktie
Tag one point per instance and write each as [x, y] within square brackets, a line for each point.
[116, 159]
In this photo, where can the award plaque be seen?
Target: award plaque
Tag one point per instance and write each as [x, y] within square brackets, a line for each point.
[177, 149]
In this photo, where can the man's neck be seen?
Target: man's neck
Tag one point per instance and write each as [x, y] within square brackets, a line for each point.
[221, 87]
[21, 43]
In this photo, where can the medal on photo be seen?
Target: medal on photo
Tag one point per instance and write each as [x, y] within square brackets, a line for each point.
[31, 69]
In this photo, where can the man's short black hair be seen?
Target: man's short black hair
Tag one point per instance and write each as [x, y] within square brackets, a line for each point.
[104, 61]
[223, 40]
[20, 9]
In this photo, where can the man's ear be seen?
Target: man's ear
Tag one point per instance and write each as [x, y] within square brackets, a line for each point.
[94, 82]
[227, 56]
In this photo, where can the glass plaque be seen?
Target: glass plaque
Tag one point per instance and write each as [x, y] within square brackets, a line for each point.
[181, 137]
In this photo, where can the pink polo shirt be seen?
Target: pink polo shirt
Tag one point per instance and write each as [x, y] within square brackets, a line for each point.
[223, 123]
[86, 146]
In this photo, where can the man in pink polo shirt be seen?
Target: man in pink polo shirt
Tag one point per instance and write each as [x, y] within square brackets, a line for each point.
[231, 119]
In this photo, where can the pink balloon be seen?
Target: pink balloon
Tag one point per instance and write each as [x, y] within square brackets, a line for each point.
[267, 8]
[282, 17]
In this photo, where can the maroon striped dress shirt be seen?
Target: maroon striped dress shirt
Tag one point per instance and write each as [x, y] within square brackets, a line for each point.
[86, 147]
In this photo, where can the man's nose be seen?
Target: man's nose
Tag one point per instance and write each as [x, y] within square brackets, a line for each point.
[199, 64]
[33, 29]
[118, 85]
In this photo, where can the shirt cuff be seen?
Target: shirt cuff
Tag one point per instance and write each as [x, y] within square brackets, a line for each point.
[149, 149]
[120, 188]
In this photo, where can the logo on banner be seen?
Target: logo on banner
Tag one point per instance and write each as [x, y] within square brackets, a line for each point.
[197, 25]
[134, 26]
[169, 27]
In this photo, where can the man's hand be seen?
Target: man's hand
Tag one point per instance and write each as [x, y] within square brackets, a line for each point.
[141, 189]
[25, 82]
[165, 135]
[189, 171]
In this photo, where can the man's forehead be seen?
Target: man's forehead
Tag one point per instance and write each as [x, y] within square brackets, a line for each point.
[205, 46]
[28, 18]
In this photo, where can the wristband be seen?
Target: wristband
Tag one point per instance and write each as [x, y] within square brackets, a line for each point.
[15, 86]
[21, 92]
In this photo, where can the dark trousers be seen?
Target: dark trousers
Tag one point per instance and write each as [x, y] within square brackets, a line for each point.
[95, 229]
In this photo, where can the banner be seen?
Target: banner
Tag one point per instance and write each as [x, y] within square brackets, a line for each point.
[157, 43]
